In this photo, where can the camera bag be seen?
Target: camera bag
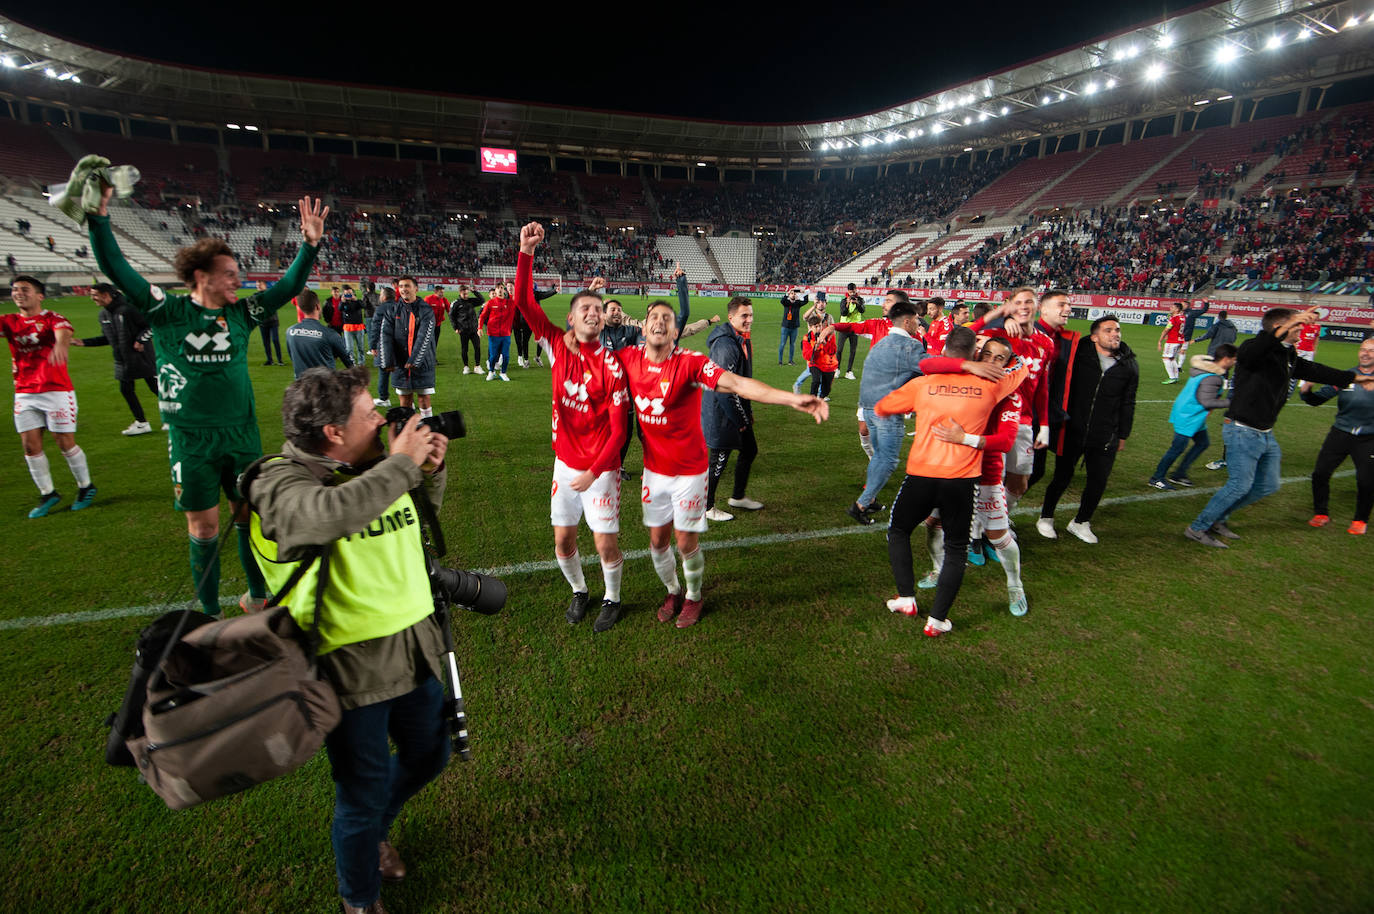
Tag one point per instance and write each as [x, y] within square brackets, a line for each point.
[235, 703]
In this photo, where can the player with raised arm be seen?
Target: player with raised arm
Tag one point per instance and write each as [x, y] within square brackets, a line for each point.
[1037, 351]
[590, 401]
[665, 381]
[1171, 342]
[204, 391]
[43, 392]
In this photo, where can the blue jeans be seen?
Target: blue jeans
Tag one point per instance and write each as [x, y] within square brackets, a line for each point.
[788, 342]
[1252, 472]
[886, 434]
[355, 341]
[1200, 440]
[371, 784]
[498, 353]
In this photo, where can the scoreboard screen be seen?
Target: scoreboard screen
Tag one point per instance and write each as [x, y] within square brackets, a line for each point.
[499, 161]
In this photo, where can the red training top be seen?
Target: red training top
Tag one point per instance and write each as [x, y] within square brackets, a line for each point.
[31, 340]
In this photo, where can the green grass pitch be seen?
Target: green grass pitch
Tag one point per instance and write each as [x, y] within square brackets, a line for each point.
[1170, 728]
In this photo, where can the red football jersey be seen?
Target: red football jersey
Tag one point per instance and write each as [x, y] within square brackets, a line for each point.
[31, 340]
[1037, 351]
[935, 336]
[589, 391]
[1307, 338]
[1000, 435]
[1175, 334]
[439, 304]
[874, 328]
[667, 398]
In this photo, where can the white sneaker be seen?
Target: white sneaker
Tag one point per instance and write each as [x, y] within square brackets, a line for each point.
[747, 504]
[490, 375]
[904, 605]
[1016, 601]
[1045, 527]
[138, 428]
[1083, 531]
[504, 376]
[937, 627]
[716, 514]
[378, 401]
[849, 375]
[467, 370]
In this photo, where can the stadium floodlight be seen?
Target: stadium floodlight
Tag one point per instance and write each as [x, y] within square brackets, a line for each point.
[77, 80]
[912, 134]
[967, 121]
[50, 73]
[1352, 22]
[891, 138]
[1275, 41]
[1111, 83]
[233, 126]
[9, 62]
[1304, 34]
[63, 77]
[1203, 101]
[1090, 88]
[1166, 41]
[1005, 110]
[1045, 100]
[1227, 53]
[701, 165]
[1062, 96]
[920, 131]
[1225, 98]
[968, 149]
[250, 127]
[1154, 71]
[982, 116]
[937, 128]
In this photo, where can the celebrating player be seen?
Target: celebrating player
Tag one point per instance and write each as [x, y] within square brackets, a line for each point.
[43, 393]
[203, 387]
[665, 382]
[589, 425]
[1171, 342]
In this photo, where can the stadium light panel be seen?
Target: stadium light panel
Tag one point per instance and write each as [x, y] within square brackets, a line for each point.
[891, 138]
[1165, 41]
[77, 80]
[1154, 71]
[938, 128]
[1062, 96]
[233, 126]
[9, 62]
[967, 121]
[250, 127]
[63, 77]
[912, 134]
[1090, 88]
[1275, 41]
[1045, 100]
[1227, 53]
[701, 165]
[968, 149]
[50, 73]
[1352, 22]
[1111, 83]
[1203, 101]
[1005, 110]
[982, 116]
[1225, 98]
[1304, 34]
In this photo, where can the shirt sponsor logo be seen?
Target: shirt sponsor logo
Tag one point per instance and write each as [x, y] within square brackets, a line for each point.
[201, 348]
[387, 523]
[955, 390]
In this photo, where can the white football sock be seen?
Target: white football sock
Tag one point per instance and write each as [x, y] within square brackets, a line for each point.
[611, 575]
[42, 475]
[426, 412]
[666, 566]
[935, 542]
[694, 569]
[571, 566]
[1010, 554]
[76, 459]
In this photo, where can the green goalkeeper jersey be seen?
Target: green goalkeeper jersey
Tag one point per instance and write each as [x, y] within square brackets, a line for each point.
[202, 353]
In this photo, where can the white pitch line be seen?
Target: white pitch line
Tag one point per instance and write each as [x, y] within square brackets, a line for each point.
[766, 539]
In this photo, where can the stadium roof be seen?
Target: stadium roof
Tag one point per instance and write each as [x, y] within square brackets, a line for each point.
[1243, 48]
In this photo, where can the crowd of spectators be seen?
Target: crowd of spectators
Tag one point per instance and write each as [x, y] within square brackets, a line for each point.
[805, 257]
[1318, 236]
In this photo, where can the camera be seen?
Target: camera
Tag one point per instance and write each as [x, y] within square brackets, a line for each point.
[449, 424]
[479, 592]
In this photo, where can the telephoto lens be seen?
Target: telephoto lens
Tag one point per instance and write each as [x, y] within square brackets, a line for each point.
[479, 592]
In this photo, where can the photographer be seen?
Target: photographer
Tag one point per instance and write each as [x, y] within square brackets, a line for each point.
[380, 644]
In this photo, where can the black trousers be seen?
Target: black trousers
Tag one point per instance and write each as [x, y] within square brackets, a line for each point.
[126, 388]
[270, 339]
[850, 340]
[1097, 461]
[522, 341]
[1338, 446]
[918, 496]
[1038, 466]
[470, 336]
[715, 468]
[820, 382]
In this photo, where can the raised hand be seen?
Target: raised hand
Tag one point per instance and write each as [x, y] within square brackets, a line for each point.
[597, 284]
[313, 213]
[531, 236]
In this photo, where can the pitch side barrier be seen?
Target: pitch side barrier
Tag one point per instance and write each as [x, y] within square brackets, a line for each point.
[1343, 320]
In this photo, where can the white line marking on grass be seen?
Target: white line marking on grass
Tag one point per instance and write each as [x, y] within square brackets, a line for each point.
[766, 539]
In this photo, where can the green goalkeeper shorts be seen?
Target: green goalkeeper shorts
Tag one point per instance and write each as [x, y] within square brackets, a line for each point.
[207, 460]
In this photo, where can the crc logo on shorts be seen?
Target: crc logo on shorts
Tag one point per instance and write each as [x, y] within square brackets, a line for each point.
[606, 501]
[170, 382]
[691, 505]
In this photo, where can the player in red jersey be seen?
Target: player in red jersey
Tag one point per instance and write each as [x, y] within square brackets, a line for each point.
[589, 425]
[940, 327]
[43, 394]
[875, 328]
[1171, 342]
[1036, 349]
[665, 382]
[990, 499]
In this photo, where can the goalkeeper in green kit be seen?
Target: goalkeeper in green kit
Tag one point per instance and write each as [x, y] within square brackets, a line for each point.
[204, 391]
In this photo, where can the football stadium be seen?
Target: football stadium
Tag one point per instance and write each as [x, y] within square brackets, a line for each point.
[940, 591]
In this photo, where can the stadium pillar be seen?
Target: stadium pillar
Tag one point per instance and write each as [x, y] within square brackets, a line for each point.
[1178, 122]
[355, 149]
[263, 134]
[309, 145]
[1042, 148]
[1235, 112]
[74, 118]
[1126, 134]
[1082, 140]
[1303, 98]
[123, 125]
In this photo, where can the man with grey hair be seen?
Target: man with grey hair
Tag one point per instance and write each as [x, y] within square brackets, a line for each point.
[335, 494]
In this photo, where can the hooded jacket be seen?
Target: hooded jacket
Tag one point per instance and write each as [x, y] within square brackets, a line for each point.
[1101, 405]
[724, 416]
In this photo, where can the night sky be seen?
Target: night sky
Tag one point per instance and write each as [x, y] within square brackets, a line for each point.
[713, 61]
